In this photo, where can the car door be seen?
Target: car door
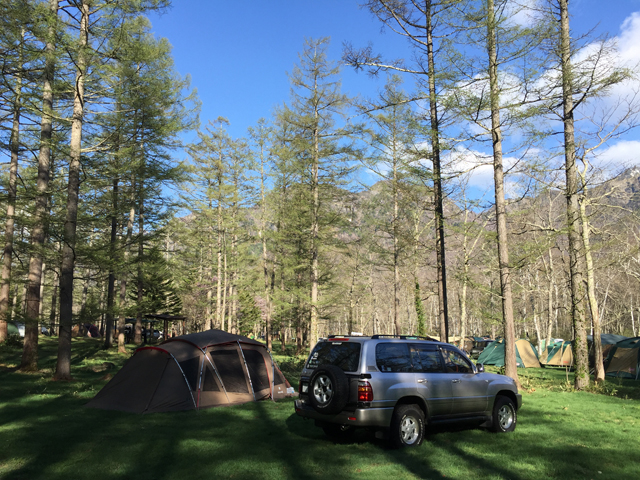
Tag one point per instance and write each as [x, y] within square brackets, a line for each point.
[469, 389]
[431, 382]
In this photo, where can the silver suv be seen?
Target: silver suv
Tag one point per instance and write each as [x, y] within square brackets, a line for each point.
[396, 384]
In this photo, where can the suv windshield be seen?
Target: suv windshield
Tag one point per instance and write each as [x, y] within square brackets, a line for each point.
[341, 354]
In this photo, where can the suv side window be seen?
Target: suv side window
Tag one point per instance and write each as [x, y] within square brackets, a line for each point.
[425, 358]
[455, 363]
[393, 357]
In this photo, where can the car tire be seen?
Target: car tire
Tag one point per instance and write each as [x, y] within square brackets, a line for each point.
[338, 432]
[328, 389]
[407, 426]
[504, 416]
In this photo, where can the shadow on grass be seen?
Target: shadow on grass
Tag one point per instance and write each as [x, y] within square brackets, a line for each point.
[46, 433]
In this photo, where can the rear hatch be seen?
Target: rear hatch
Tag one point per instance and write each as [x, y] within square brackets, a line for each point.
[342, 353]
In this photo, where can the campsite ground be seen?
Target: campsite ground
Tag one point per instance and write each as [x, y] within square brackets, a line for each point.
[46, 433]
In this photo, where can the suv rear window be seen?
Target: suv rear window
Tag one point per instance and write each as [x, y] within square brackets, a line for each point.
[345, 355]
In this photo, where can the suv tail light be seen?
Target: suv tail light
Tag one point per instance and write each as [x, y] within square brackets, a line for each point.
[303, 387]
[365, 392]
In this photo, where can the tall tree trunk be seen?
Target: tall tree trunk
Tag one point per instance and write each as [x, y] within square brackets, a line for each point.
[225, 283]
[124, 277]
[396, 249]
[5, 288]
[263, 238]
[219, 312]
[54, 302]
[351, 296]
[441, 266]
[111, 285]
[573, 214]
[315, 212]
[591, 291]
[511, 367]
[137, 339]
[41, 293]
[463, 291]
[550, 314]
[63, 367]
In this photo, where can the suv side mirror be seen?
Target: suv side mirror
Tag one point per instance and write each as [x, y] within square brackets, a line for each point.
[480, 367]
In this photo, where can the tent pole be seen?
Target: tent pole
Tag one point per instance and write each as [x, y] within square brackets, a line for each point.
[272, 383]
[219, 379]
[204, 353]
[185, 381]
[247, 369]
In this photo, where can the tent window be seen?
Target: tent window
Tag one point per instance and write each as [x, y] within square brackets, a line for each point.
[278, 378]
[231, 370]
[257, 369]
[209, 384]
[191, 369]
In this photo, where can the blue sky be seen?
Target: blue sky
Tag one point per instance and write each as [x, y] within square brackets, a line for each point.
[238, 52]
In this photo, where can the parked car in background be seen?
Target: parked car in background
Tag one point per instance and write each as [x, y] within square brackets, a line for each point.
[397, 385]
[478, 346]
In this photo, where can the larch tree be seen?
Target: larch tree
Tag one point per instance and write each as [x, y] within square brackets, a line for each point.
[392, 142]
[574, 82]
[262, 137]
[12, 45]
[324, 150]
[498, 77]
[102, 18]
[420, 23]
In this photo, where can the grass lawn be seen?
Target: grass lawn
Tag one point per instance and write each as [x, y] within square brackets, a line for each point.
[46, 433]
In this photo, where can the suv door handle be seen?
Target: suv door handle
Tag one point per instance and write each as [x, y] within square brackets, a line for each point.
[457, 380]
[422, 380]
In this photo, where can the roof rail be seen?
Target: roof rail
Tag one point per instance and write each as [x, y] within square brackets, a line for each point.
[404, 337]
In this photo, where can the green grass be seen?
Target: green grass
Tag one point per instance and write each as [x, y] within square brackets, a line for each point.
[46, 433]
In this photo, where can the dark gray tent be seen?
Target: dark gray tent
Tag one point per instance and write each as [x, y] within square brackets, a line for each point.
[200, 370]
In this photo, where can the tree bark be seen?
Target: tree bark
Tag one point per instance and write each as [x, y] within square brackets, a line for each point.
[219, 313]
[315, 211]
[263, 239]
[511, 367]
[591, 291]
[441, 267]
[396, 249]
[111, 284]
[137, 339]
[5, 288]
[573, 214]
[63, 367]
[123, 279]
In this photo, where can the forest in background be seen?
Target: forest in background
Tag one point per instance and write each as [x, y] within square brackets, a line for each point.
[108, 217]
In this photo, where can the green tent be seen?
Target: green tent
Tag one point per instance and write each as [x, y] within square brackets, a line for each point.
[526, 355]
[624, 359]
[14, 329]
[608, 341]
[559, 354]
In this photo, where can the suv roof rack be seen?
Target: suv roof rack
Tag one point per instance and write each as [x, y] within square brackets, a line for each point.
[404, 337]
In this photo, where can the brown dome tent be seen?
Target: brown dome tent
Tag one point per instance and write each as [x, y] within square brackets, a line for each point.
[199, 370]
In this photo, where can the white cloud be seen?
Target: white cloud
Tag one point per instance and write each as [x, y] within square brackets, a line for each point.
[629, 40]
[623, 154]
[476, 166]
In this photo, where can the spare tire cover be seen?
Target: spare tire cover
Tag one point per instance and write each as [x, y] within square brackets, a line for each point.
[328, 389]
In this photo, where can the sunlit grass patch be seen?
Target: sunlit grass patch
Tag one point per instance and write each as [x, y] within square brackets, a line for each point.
[47, 433]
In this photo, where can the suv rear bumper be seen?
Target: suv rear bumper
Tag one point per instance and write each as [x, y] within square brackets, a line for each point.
[361, 417]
